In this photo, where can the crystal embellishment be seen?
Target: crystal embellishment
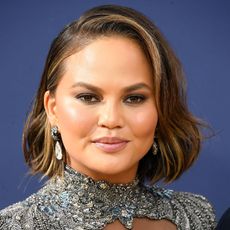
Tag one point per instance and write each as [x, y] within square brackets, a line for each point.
[79, 202]
[58, 150]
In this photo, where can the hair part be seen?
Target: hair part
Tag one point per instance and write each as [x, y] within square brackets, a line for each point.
[178, 131]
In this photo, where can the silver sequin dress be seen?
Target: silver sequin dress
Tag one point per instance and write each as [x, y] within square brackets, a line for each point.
[79, 202]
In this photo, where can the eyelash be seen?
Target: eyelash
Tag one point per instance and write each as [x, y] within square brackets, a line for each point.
[138, 98]
[87, 98]
[83, 98]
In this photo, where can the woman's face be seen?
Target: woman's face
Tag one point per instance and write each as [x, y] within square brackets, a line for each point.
[105, 109]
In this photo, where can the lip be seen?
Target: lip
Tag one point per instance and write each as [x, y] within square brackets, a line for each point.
[110, 144]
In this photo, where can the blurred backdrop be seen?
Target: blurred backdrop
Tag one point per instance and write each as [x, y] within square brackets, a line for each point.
[199, 32]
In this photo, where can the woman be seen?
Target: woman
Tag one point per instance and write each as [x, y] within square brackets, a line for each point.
[110, 120]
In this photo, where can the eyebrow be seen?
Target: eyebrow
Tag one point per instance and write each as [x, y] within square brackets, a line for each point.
[125, 89]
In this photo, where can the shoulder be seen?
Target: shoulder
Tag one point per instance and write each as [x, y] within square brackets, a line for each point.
[15, 216]
[197, 208]
[224, 222]
[38, 211]
[192, 211]
[24, 215]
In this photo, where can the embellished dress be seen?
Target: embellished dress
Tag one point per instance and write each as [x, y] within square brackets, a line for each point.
[78, 202]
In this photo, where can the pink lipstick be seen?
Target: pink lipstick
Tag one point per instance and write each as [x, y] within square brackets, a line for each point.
[110, 144]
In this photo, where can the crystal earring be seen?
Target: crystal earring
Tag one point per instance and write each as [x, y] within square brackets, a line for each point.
[155, 148]
[56, 137]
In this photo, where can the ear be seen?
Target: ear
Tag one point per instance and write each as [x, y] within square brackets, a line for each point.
[50, 108]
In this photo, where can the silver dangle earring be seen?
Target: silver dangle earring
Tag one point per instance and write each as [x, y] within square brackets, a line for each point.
[155, 148]
[57, 137]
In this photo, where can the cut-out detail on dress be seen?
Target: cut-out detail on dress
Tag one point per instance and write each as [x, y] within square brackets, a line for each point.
[143, 223]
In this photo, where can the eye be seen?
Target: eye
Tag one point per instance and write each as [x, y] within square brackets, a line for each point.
[135, 99]
[88, 98]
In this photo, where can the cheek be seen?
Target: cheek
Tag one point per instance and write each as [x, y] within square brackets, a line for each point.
[73, 117]
[144, 122]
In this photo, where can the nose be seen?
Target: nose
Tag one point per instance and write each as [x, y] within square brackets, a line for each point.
[110, 116]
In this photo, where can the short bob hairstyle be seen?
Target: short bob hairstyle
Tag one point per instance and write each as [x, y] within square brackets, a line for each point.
[178, 131]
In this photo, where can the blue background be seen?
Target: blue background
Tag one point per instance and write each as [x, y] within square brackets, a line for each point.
[199, 32]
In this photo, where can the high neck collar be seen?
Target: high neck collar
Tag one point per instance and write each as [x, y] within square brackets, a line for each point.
[98, 203]
[77, 179]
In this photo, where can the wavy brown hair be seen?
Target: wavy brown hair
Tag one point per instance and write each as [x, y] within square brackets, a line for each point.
[178, 131]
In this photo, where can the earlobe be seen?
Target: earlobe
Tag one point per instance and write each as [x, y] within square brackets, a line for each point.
[50, 107]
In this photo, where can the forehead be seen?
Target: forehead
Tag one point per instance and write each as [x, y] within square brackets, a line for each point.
[111, 58]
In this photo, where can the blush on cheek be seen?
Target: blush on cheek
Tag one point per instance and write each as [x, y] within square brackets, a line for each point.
[144, 124]
[76, 118]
